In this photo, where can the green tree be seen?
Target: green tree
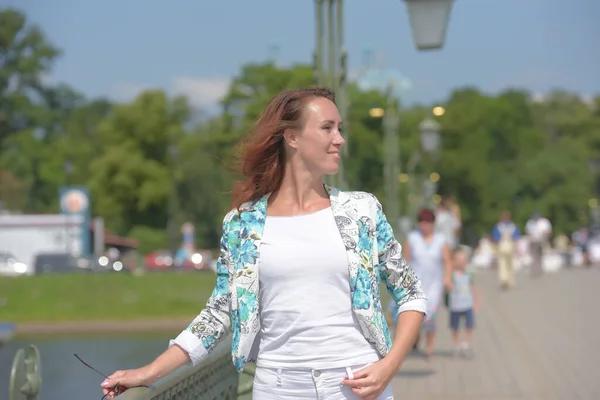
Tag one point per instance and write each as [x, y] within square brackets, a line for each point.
[25, 116]
[25, 56]
[130, 179]
[505, 151]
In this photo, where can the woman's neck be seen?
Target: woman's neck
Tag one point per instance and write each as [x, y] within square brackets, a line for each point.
[427, 237]
[300, 193]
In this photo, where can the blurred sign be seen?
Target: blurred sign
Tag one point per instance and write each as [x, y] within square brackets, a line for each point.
[75, 200]
[187, 231]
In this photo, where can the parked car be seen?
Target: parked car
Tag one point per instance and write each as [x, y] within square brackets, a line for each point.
[160, 260]
[63, 263]
[106, 264]
[10, 266]
[199, 261]
[163, 261]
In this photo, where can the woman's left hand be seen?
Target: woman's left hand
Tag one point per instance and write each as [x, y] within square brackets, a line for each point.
[448, 284]
[372, 380]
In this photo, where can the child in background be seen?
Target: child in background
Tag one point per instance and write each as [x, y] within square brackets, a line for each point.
[463, 301]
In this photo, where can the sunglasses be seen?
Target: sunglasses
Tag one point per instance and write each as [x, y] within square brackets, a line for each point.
[116, 389]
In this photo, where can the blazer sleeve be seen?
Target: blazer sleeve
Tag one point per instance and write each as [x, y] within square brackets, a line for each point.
[399, 277]
[214, 322]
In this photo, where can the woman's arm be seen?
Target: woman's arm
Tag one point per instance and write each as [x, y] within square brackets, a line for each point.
[476, 297]
[406, 251]
[405, 288]
[202, 335]
[195, 342]
[213, 323]
[208, 328]
[407, 329]
[400, 279]
[169, 361]
[447, 261]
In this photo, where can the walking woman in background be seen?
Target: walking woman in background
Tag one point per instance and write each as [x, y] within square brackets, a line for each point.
[299, 271]
[428, 253]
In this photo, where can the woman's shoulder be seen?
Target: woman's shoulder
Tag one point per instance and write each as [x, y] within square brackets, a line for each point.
[362, 197]
[440, 238]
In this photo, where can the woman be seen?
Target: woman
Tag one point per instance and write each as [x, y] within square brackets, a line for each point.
[310, 316]
[429, 254]
[447, 221]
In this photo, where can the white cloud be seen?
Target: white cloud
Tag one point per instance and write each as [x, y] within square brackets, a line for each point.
[200, 91]
[127, 91]
[47, 79]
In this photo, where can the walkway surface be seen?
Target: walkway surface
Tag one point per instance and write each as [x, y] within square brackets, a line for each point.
[538, 341]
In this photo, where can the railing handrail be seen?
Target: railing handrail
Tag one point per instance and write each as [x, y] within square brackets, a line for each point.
[183, 380]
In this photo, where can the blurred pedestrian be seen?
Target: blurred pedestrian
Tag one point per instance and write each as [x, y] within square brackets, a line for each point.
[447, 221]
[538, 230]
[463, 302]
[562, 246]
[505, 234]
[581, 239]
[428, 253]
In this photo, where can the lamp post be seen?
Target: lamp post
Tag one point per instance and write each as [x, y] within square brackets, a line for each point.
[331, 68]
[391, 172]
[173, 153]
[430, 143]
[594, 166]
[395, 86]
[68, 170]
[428, 20]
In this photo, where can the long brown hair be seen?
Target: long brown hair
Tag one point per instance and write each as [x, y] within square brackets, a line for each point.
[261, 155]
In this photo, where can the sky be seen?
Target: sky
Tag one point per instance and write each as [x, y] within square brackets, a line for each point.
[118, 48]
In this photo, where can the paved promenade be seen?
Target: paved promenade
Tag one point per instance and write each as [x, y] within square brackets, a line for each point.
[540, 341]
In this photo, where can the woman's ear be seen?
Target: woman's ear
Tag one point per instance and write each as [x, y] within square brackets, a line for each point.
[291, 138]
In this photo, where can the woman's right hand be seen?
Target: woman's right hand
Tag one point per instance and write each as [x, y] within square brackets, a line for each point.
[125, 380]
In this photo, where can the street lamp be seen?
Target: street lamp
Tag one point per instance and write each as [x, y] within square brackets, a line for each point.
[594, 166]
[391, 170]
[438, 111]
[68, 170]
[430, 142]
[428, 22]
[173, 153]
[430, 135]
[331, 68]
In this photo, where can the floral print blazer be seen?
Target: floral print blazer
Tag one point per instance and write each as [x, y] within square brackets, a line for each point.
[373, 255]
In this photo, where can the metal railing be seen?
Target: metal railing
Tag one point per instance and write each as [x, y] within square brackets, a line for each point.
[25, 375]
[215, 378]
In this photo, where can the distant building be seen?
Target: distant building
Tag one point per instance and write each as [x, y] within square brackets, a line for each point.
[25, 236]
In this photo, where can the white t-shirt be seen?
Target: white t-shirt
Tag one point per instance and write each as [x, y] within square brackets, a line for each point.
[305, 306]
[538, 230]
[306, 311]
[461, 296]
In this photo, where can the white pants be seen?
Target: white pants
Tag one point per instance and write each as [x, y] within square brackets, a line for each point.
[271, 384]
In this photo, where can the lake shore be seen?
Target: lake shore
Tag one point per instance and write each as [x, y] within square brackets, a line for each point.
[103, 327]
[103, 303]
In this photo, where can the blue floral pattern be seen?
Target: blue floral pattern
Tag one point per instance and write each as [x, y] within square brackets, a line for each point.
[373, 255]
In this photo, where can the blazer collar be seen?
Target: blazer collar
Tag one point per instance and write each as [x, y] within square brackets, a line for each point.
[345, 215]
[337, 197]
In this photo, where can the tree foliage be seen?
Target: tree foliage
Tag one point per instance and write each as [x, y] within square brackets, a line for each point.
[506, 151]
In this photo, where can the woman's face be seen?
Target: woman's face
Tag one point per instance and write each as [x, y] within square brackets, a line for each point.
[426, 227]
[319, 143]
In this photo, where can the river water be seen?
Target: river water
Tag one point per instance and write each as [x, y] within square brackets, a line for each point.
[64, 377]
